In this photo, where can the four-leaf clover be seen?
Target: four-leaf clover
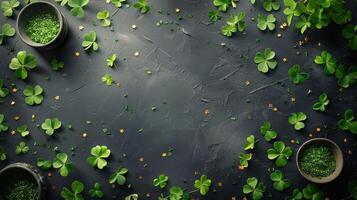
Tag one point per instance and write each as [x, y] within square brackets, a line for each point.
[51, 125]
[160, 181]
[280, 183]
[118, 177]
[203, 184]
[21, 63]
[296, 76]
[322, 103]
[254, 188]
[265, 60]
[99, 153]
[6, 31]
[62, 163]
[265, 22]
[176, 193]
[33, 95]
[280, 153]
[297, 119]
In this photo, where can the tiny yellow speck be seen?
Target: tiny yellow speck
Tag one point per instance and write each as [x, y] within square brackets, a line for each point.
[177, 10]
[136, 54]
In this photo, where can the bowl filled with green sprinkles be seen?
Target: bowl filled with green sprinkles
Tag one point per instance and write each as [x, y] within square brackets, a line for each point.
[21, 181]
[319, 160]
[41, 25]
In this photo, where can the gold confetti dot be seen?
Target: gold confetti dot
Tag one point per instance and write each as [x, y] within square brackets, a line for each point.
[241, 167]
[121, 131]
[177, 10]
[148, 195]
[345, 140]
[16, 118]
[140, 177]
[247, 83]
[33, 116]
[13, 132]
[318, 129]
[164, 154]
[12, 103]
[270, 105]
[292, 141]
[136, 54]
[141, 159]
[219, 184]
[81, 28]
[319, 44]
[275, 109]
[134, 27]
[84, 135]
[206, 112]
[279, 35]
[77, 54]
[223, 44]
[349, 152]
[57, 98]
[14, 90]
[293, 99]
[49, 174]
[285, 60]
[285, 24]
[310, 135]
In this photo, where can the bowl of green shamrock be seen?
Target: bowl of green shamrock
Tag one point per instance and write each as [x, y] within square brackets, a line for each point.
[319, 160]
[41, 25]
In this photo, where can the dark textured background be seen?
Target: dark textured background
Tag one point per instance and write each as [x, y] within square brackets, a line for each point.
[190, 74]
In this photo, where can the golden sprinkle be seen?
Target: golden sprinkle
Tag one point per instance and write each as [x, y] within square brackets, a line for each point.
[33, 116]
[310, 135]
[270, 105]
[12, 103]
[121, 131]
[206, 112]
[13, 132]
[134, 27]
[177, 10]
[164, 154]
[349, 152]
[247, 83]
[148, 195]
[57, 98]
[318, 129]
[285, 60]
[219, 184]
[136, 54]
[319, 44]
[279, 35]
[140, 177]
[285, 24]
[345, 140]
[293, 99]
[292, 141]
[84, 135]
[81, 28]
[275, 109]
[16, 118]
[141, 159]
[14, 90]
[223, 44]
[281, 27]
[49, 174]
[241, 167]
[113, 186]
[77, 54]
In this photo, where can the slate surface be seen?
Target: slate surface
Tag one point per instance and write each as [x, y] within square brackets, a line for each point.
[191, 72]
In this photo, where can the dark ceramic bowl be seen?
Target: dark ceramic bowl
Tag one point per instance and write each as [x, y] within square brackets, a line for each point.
[33, 9]
[337, 154]
[18, 171]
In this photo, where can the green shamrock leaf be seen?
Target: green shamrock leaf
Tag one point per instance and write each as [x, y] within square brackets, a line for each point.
[63, 2]
[23, 130]
[118, 177]
[3, 90]
[214, 16]
[265, 22]
[268, 133]
[237, 20]
[297, 195]
[352, 188]
[21, 148]
[290, 11]
[280, 154]
[103, 16]
[297, 119]
[118, 3]
[62, 163]
[296, 76]
[89, 41]
[222, 5]
[244, 158]
[270, 5]
[348, 123]
[57, 64]
[8, 7]
[250, 142]
[346, 79]
[203, 184]
[142, 5]
[99, 153]
[327, 61]
[255, 188]
[322, 103]
[33, 95]
[96, 192]
[77, 7]
[76, 193]
[21, 63]
[280, 183]
[2, 154]
[111, 60]
[228, 30]
[350, 33]
[51, 125]
[265, 60]
[6, 31]
[176, 193]
[107, 79]
[3, 125]
[44, 164]
[132, 197]
[160, 181]
[303, 23]
[311, 191]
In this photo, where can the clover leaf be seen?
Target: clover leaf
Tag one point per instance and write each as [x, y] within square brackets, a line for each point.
[203, 184]
[265, 60]
[57, 64]
[118, 3]
[327, 61]
[280, 153]
[111, 60]
[3, 125]
[265, 22]
[290, 11]
[51, 125]
[280, 183]
[142, 5]
[23, 130]
[160, 181]
[6, 31]
[118, 177]
[250, 142]
[132, 197]
[103, 16]
[311, 191]
[255, 188]
[347, 123]
[297, 119]
[222, 5]
[21, 63]
[33, 95]
[96, 191]
[3, 90]
[244, 158]
[89, 41]
[63, 2]
[99, 153]
[77, 7]
[21, 148]
[270, 5]
[296, 76]
[352, 188]
[234, 23]
[214, 16]
[228, 30]
[74, 194]
[8, 7]
[350, 33]
[346, 78]
[297, 195]
[176, 193]
[2, 154]
[322, 103]
[303, 23]
[62, 163]
[268, 133]
[107, 79]
[44, 164]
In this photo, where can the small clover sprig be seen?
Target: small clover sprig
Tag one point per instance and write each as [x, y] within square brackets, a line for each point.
[111, 60]
[22, 63]
[33, 95]
[118, 3]
[51, 125]
[322, 103]
[347, 123]
[255, 188]
[250, 142]
[297, 119]
[118, 177]
[280, 183]
[327, 61]
[203, 184]
[265, 22]
[6, 31]
[311, 191]
[96, 191]
[296, 76]
[160, 181]
[267, 131]
[44, 164]
[62, 163]
[103, 16]
[57, 64]
[3, 90]
[265, 60]
[223, 5]
[296, 195]
[280, 153]
[244, 158]
[22, 148]
[75, 193]
[98, 156]
[107, 79]
[89, 41]
[234, 23]
[8, 7]
[3, 125]
[142, 6]
[2, 154]
[350, 33]
[77, 7]
[23, 130]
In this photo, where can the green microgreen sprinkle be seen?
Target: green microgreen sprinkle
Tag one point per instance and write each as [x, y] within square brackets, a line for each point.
[42, 28]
